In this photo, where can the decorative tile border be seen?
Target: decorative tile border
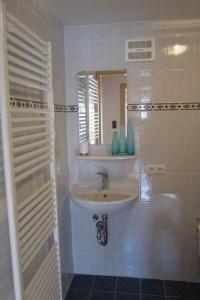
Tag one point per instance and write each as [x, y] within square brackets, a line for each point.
[18, 103]
[23, 103]
[163, 106]
[65, 108]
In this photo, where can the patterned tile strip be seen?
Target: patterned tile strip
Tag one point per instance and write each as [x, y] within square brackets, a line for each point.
[21, 103]
[64, 108]
[24, 103]
[163, 106]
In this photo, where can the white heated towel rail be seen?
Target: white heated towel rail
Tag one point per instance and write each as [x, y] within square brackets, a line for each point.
[26, 98]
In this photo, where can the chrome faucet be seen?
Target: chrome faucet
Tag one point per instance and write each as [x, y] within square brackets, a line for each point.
[104, 179]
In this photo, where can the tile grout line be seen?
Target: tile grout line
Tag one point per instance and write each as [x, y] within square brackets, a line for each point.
[189, 287]
[115, 288]
[92, 286]
[165, 292]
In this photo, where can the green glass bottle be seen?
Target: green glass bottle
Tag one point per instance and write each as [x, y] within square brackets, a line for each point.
[115, 143]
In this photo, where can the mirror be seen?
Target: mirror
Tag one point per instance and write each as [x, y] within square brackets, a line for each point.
[102, 102]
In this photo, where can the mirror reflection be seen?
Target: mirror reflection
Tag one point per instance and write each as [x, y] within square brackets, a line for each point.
[102, 101]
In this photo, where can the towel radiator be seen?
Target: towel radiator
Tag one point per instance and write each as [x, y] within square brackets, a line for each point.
[26, 99]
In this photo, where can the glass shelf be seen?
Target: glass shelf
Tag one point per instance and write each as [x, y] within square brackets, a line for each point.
[106, 156]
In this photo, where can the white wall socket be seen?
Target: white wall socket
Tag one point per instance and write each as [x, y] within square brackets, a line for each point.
[156, 169]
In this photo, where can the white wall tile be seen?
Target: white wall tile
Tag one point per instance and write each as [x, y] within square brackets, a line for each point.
[174, 269]
[119, 54]
[161, 92]
[143, 216]
[106, 265]
[176, 215]
[194, 189]
[101, 32]
[71, 92]
[101, 55]
[141, 244]
[196, 125]
[194, 270]
[175, 246]
[152, 153]
[76, 33]
[84, 240]
[195, 166]
[127, 30]
[179, 126]
[136, 120]
[194, 214]
[181, 84]
[151, 186]
[138, 267]
[177, 185]
[152, 127]
[192, 247]
[77, 57]
[196, 87]
[85, 264]
[178, 157]
[172, 138]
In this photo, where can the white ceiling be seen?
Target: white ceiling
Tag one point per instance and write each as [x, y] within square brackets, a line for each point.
[87, 12]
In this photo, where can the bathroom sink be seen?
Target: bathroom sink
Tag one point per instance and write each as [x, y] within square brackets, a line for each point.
[104, 201]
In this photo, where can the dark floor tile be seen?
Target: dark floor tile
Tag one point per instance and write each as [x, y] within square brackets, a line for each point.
[152, 297]
[125, 296]
[177, 288]
[82, 282]
[102, 296]
[77, 295]
[195, 288]
[152, 287]
[128, 285]
[105, 283]
[181, 298]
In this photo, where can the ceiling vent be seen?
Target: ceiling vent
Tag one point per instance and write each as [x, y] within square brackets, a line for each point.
[139, 50]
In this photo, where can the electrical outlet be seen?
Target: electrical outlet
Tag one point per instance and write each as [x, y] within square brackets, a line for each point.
[156, 169]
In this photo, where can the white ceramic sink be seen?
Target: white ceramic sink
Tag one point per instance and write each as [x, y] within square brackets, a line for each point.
[104, 201]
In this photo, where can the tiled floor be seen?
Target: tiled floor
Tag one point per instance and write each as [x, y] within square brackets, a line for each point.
[87, 287]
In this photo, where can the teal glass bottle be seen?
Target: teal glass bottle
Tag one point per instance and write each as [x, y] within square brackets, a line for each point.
[130, 138]
[115, 143]
[122, 141]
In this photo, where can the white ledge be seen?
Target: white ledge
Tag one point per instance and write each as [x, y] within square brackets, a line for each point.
[106, 156]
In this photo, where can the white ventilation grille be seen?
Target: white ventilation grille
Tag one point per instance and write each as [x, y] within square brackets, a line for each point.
[139, 50]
